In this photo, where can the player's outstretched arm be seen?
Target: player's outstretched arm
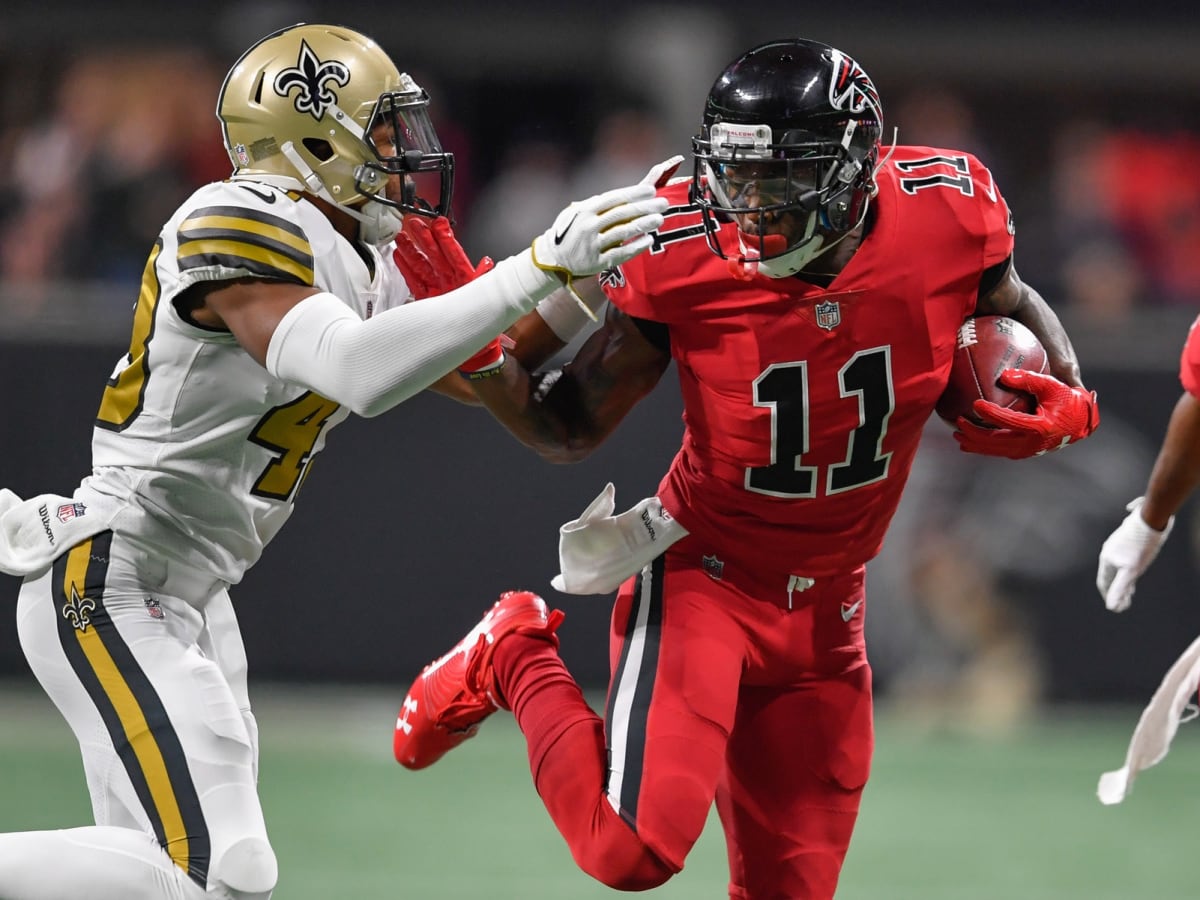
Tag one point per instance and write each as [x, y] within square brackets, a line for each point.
[314, 339]
[1176, 471]
[564, 414]
[431, 260]
[1135, 543]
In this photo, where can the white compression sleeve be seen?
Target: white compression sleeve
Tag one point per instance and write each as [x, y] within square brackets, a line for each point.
[372, 365]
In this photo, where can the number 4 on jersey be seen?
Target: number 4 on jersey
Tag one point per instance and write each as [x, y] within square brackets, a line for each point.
[291, 430]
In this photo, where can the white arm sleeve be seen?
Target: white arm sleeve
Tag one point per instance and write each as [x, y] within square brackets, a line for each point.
[370, 366]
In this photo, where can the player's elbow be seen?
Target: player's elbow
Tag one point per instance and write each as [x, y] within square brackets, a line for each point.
[371, 404]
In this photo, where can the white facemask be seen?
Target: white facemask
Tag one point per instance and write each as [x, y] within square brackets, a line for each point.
[794, 260]
[786, 264]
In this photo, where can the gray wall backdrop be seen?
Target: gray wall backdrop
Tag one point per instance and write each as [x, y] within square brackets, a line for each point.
[411, 523]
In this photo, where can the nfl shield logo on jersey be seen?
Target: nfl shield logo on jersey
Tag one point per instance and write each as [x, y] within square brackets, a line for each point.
[713, 567]
[829, 315]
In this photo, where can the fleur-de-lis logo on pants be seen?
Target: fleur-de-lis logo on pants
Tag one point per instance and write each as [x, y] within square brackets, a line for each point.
[79, 609]
[309, 77]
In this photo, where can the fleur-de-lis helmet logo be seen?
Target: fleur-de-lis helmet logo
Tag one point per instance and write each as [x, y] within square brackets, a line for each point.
[310, 77]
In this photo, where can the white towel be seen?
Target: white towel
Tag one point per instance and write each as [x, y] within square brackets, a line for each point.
[34, 532]
[597, 551]
[1156, 728]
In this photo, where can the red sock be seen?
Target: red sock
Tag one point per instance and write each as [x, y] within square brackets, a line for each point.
[569, 763]
[543, 696]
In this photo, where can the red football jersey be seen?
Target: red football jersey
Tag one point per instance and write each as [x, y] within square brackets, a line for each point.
[803, 406]
[1189, 363]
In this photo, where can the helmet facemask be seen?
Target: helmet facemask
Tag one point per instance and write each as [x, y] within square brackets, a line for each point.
[404, 142]
[792, 199]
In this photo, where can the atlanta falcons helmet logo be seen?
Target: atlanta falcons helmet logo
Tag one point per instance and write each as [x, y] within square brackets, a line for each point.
[851, 89]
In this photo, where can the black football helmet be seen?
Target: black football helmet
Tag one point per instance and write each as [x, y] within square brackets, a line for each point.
[790, 129]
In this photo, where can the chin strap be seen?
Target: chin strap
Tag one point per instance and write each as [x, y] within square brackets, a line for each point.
[891, 150]
[378, 223]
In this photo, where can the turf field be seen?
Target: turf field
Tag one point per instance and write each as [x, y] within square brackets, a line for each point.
[945, 817]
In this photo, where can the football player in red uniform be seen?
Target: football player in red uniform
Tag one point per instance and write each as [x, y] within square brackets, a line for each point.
[1132, 547]
[1130, 550]
[808, 284]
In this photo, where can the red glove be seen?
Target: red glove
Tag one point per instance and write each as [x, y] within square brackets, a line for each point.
[433, 262]
[430, 258]
[1064, 414]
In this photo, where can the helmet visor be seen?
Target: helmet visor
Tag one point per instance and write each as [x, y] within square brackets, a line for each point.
[406, 144]
[405, 115]
[765, 185]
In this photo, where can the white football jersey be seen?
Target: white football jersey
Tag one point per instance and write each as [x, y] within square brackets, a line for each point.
[197, 445]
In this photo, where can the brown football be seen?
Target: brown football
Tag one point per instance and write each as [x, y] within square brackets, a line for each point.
[987, 345]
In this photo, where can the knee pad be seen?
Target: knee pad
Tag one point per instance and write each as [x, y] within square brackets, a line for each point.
[247, 870]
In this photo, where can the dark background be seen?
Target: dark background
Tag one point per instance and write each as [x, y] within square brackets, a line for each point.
[412, 523]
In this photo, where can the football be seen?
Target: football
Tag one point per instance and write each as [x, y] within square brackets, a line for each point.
[987, 345]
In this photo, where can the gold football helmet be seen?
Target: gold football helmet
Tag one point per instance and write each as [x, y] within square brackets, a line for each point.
[325, 108]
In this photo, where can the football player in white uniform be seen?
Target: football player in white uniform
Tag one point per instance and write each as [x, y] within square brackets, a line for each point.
[267, 314]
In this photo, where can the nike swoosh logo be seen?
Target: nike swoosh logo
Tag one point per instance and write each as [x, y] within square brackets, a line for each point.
[264, 197]
[558, 238]
[848, 610]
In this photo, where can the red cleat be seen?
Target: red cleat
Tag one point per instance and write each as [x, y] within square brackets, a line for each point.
[455, 693]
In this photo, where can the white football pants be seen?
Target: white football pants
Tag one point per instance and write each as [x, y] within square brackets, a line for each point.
[145, 661]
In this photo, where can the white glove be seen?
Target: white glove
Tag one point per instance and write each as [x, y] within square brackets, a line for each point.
[1126, 554]
[35, 532]
[598, 551]
[661, 173]
[599, 233]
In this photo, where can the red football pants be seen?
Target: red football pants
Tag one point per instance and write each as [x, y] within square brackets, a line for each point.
[715, 696]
